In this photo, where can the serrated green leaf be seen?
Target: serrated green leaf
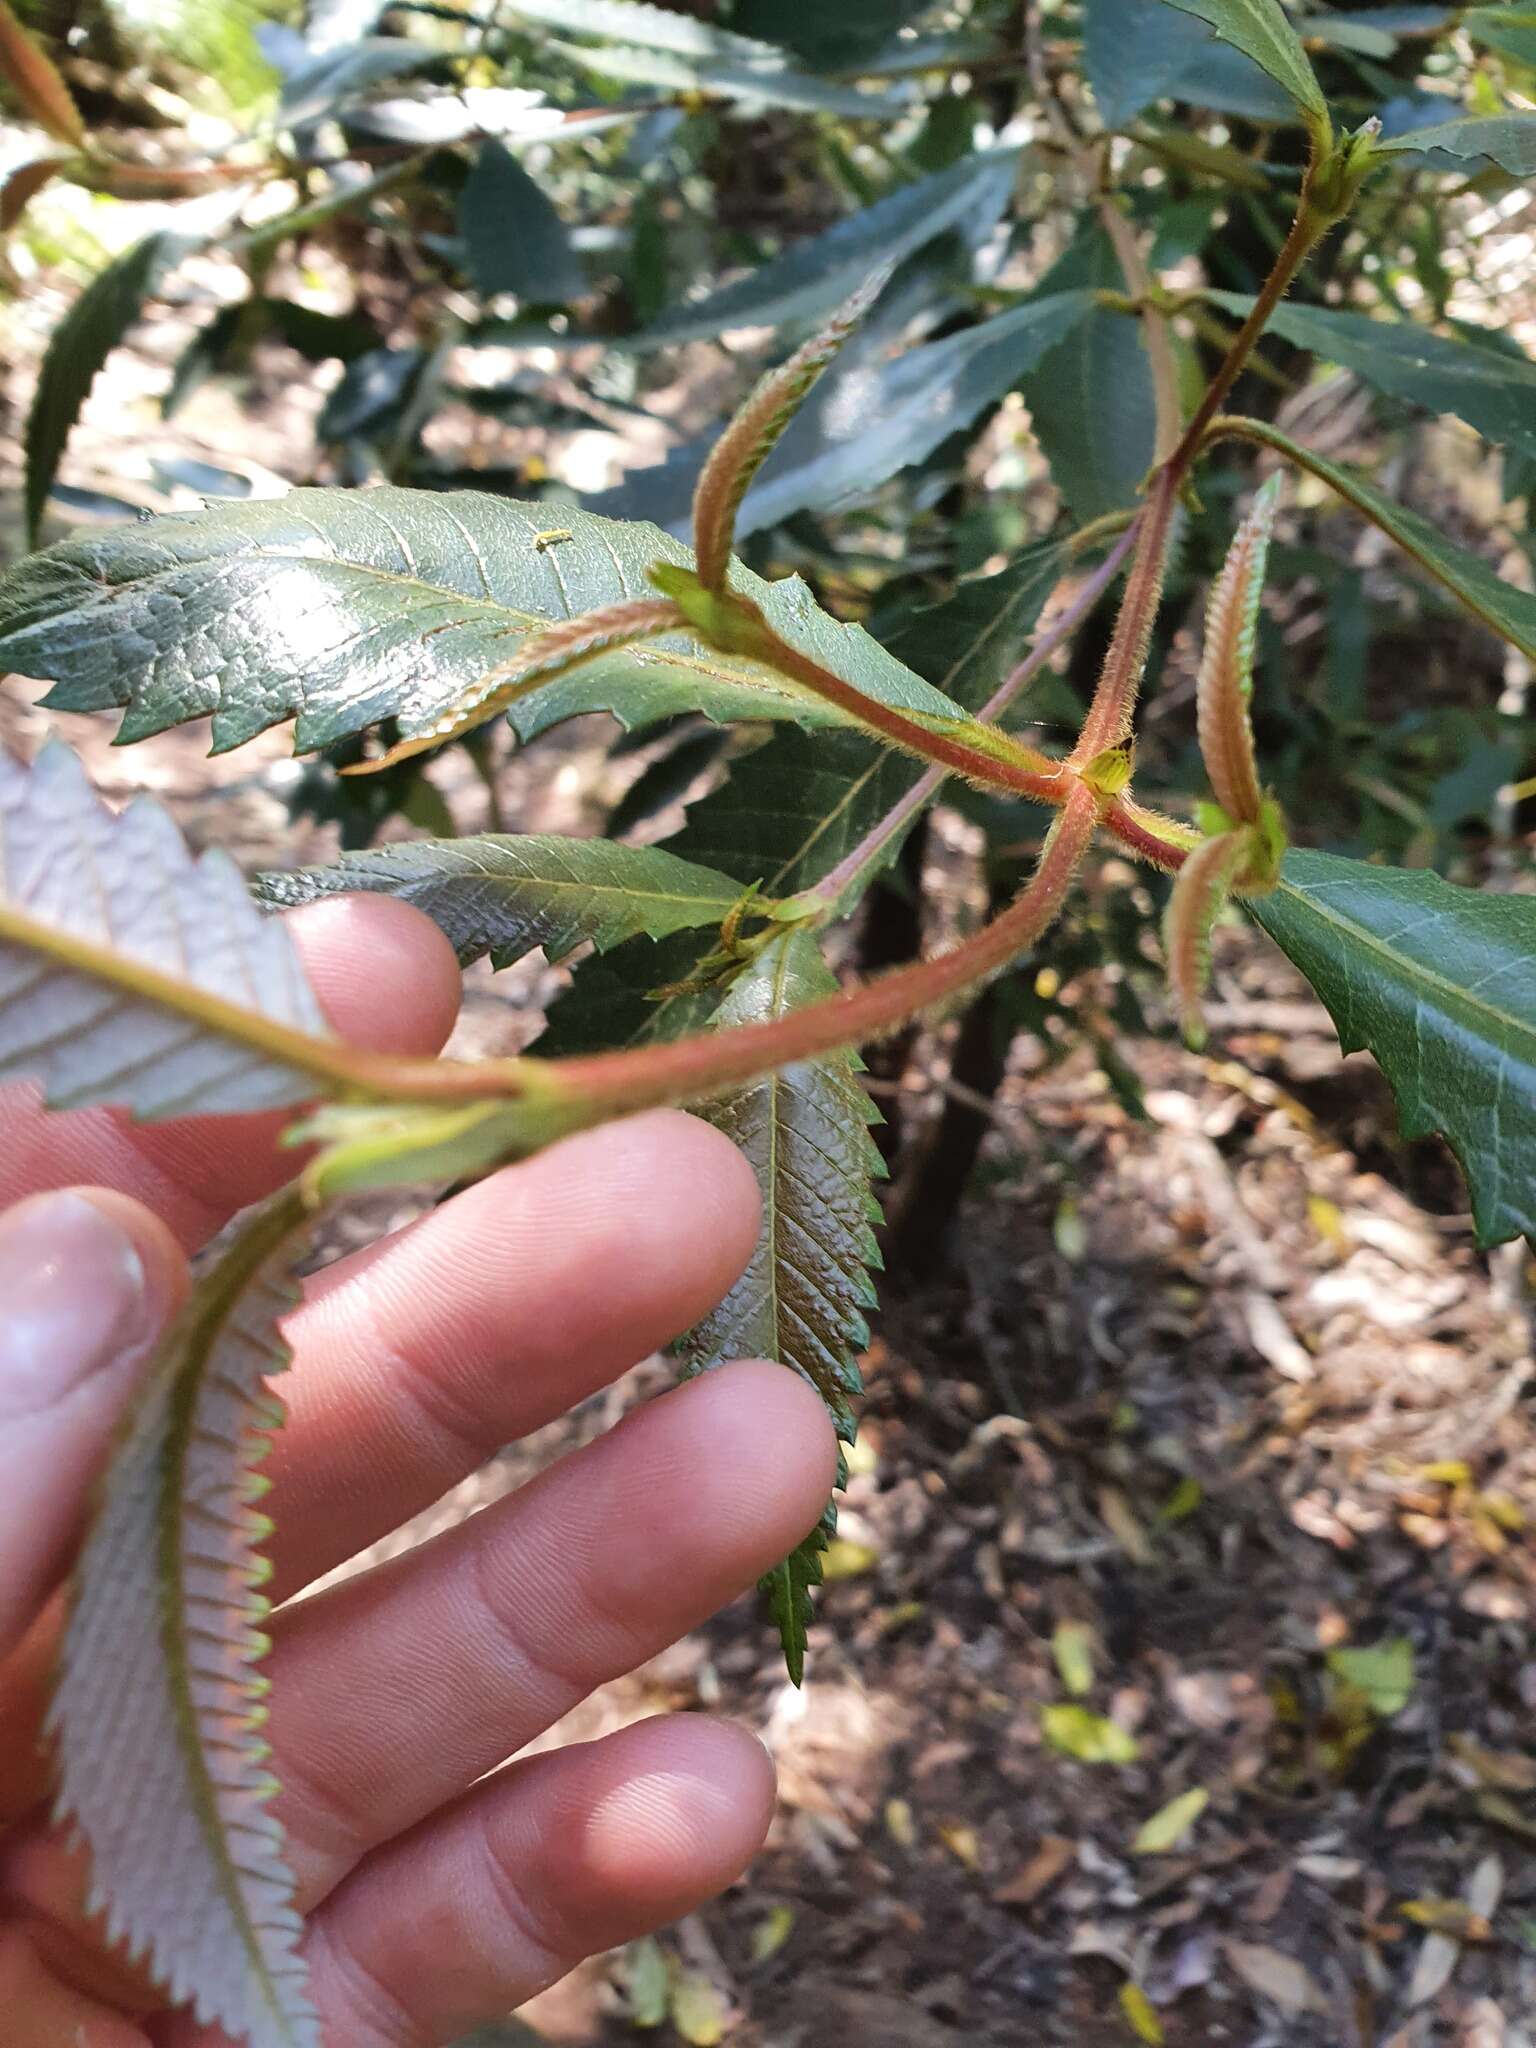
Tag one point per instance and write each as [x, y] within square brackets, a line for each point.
[802, 1298]
[514, 241]
[904, 409]
[1260, 29]
[1136, 52]
[1491, 388]
[346, 607]
[1508, 140]
[1091, 399]
[504, 894]
[816, 274]
[131, 973]
[1438, 983]
[80, 344]
[156, 1712]
[1511, 613]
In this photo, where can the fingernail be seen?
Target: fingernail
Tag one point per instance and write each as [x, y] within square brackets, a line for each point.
[74, 1298]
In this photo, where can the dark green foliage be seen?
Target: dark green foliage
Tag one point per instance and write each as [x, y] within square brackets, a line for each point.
[1439, 983]
[803, 1297]
[514, 241]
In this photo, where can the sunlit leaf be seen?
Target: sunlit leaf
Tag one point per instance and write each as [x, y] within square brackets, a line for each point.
[1141, 2014]
[1171, 1823]
[1072, 1648]
[1383, 1671]
[1091, 1738]
[342, 608]
[817, 272]
[502, 894]
[157, 1711]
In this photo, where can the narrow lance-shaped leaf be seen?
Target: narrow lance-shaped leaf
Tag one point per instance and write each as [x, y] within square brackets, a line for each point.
[157, 1711]
[885, 417]
[1511, 613]
[542, 658]
[803, 1296]
[131, 973]
[751, 436]
[80, 344]
[1492, 389]
[1260, 29]
[504, 895]
[1225, 682]
[731, 78]
[814, 274]
[1200, 892]
[346, 607]
[1438, 983]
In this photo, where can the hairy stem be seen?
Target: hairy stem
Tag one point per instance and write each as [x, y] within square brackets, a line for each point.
[1024, 771]
[1307, 230]
[831, 887]
[572, 1093]
[1108, 723]
[691, 1068]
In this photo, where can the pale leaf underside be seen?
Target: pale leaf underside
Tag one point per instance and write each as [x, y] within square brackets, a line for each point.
[80, 884]
[156, 1712]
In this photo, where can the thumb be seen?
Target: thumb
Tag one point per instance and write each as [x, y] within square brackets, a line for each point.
[88, 1279]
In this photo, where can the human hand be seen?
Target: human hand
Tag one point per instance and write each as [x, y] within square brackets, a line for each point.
[437, 1896]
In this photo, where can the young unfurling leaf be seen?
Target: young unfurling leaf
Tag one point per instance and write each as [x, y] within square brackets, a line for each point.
[157, 1710]
[1200, 893]
[132, 973]
[1226, 666]
[543, 656]
[751, 436]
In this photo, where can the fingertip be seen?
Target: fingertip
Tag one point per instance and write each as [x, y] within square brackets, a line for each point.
[671, 1812]
[385, 975]
[772, 1450]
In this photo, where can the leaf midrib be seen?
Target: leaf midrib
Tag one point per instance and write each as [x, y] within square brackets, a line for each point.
[1452, 996]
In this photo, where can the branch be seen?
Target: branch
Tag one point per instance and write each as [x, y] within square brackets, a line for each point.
[834, 885]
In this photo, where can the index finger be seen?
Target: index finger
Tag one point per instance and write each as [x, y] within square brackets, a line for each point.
[387, 980]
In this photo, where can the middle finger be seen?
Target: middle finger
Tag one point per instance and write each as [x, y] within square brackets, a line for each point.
[395, 1691]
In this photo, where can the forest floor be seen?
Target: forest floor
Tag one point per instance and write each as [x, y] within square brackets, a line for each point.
[1218, 1395]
